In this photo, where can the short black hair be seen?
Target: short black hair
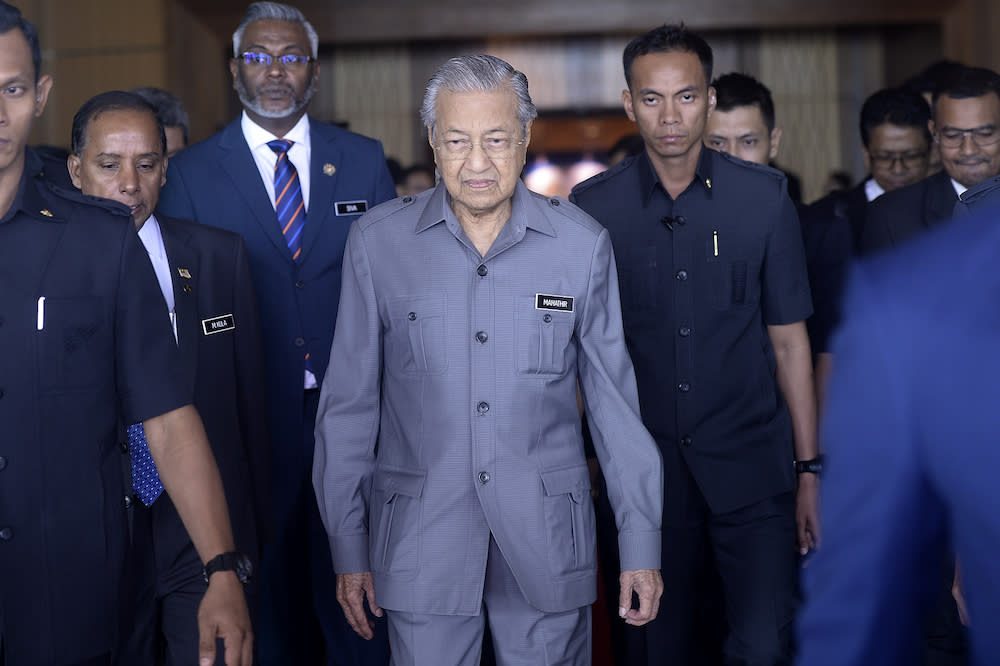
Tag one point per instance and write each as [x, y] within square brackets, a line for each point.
[734, 90]
[168, 106]
[969, 82]
[665, 39]
[113, 100]
[894, 106]
[933, 77]
[630, 144]
[10, 18]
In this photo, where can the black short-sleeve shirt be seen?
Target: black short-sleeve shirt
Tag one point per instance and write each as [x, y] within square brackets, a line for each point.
[85, 345]
[701, 278]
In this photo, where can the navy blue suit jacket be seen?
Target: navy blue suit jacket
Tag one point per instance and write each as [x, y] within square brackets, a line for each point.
[218, 334]
[216, 182]
[912, 451]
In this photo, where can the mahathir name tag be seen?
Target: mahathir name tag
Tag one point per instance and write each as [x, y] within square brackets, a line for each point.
[218, 324]
[552, 302]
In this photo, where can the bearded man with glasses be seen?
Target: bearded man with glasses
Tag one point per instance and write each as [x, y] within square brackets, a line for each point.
[966, 127]
[291, 186]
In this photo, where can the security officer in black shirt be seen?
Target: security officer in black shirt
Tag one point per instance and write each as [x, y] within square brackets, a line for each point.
[85, 345]
[714, 300]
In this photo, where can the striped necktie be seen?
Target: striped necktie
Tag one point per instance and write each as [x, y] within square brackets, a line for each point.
[288, 202]
[145, 478]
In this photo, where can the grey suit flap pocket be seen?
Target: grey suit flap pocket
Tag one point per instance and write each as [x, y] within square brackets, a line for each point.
[392, 480]
[566, 481]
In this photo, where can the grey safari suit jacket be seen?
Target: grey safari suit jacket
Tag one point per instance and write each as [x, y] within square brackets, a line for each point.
[449, 410]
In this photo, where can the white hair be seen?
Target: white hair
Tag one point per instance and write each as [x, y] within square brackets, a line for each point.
[260, 11]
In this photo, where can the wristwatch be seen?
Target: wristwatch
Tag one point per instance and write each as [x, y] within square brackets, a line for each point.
[814, 466]
[236, 562]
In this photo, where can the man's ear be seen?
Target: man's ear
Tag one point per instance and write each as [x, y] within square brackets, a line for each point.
[73, 166]
[627, 103]
[931, 127]
[233, 70]
[42, 89]
[775, 142]
[711, 101]
[867, 157]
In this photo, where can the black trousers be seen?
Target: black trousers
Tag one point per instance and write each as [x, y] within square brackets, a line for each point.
[301, 621]
[752, 551]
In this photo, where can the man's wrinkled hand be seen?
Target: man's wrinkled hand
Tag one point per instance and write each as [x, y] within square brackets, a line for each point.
[223, 614]
[648, 586]
[351, 592]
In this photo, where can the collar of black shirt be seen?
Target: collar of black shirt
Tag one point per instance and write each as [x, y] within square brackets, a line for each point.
[649, 181]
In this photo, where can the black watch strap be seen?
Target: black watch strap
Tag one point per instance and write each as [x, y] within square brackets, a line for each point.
[814, 466]
[236, 562]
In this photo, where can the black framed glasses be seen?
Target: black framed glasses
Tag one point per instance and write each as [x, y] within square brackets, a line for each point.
[953, 137]
[289, 60]
[907, 160]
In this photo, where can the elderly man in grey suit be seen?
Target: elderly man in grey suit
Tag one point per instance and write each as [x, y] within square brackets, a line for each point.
[449, 465]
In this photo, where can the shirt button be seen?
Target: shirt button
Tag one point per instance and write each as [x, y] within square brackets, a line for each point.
[123, 445]
[412, 316]
[685, 441]
[681, 275]
[483, 407]
[547, 319]
[484, 477]
[300, 283]
[6, 534]
[3, 463]
[684, 331]
[127, 501]
[482, 270]
[681, 220]
[481, 337]
[684, 387]
[300, 342]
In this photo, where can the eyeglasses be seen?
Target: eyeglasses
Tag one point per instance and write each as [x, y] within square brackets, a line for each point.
[906, 160]
[289, 61]
[952, 137]
[495, 147]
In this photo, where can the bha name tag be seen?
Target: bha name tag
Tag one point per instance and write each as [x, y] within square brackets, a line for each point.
[551, 302]
[351, 207]
[218, 324]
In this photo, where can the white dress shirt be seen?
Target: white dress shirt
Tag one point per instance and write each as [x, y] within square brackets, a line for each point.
[152, 240]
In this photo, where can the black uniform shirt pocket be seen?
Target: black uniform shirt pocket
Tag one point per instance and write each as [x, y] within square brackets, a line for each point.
[70, 342]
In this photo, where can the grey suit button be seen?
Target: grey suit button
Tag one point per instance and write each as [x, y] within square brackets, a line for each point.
[484, 477]
[547, 318]
[407, 199]
[300, 342]
[481, 337]
[483, 407]
[482, 270]
[6, 534]
[3, 463]
[412, 316]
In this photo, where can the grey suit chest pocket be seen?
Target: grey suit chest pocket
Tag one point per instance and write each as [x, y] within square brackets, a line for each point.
[542, 338]
[394, 532]
[415, 342]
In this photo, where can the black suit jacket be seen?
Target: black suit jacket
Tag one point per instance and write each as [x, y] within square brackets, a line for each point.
[898, 216]
[218, 334]
[831, 231]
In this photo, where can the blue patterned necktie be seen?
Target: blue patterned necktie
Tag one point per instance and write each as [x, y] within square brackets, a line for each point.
[288, 202]
[145, 479]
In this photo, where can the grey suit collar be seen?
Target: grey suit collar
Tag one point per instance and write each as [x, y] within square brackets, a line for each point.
[523, 213]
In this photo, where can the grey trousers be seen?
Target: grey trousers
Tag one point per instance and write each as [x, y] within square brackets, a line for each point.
[522, 634]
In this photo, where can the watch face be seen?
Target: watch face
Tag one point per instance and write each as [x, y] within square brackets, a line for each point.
[244, 568]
